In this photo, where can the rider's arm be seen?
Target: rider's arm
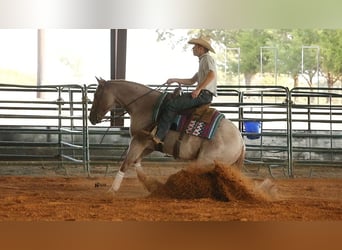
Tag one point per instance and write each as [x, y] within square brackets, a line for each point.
[210, 76]
[183, 81]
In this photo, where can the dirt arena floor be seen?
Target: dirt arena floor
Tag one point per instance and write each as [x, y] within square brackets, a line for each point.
[46, 193]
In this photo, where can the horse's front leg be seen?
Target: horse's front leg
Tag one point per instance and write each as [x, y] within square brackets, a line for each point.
[134, 153]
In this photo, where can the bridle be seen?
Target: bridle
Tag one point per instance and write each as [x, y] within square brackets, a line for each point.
[127, 105]
[124, 107]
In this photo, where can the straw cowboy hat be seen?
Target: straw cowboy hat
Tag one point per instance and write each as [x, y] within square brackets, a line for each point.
[203, 42]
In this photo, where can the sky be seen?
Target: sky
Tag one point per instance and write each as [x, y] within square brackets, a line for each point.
[148, 61]
[14, 49]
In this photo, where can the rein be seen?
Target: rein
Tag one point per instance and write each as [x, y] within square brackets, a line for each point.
[133, 101]
[125, 106]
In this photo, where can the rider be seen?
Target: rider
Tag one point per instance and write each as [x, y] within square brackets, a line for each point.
[206, 79]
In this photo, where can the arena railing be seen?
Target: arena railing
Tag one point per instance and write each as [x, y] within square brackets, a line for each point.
[43, 124]
[262, 114]
[50, 124]
[316, 126]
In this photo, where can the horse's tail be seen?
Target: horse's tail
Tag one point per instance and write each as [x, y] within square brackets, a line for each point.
[240, 161]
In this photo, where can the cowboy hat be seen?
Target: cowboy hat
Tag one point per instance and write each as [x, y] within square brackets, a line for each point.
[203, 42]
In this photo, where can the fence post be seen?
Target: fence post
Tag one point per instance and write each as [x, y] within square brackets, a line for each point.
[59, 104]
[86, 157]
[289, 133]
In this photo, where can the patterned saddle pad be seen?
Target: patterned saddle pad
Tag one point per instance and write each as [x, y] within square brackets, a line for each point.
[203, 125]
[203, 122]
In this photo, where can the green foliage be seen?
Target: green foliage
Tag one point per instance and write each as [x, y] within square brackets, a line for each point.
[331, 41]
[288, 52]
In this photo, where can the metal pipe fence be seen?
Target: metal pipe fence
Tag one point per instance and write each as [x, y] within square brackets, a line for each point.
[267, 110]
[43, 123]
[317, 126]
[289, 128]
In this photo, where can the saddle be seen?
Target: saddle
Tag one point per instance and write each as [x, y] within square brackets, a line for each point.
[199, 121]
[196, 111]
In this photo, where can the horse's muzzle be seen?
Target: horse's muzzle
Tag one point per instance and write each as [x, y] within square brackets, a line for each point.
[94, 119]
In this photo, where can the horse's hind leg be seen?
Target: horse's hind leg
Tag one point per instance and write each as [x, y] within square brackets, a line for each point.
[149, 183]
[138, 167]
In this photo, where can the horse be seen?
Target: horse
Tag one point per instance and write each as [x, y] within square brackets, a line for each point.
[138, 100]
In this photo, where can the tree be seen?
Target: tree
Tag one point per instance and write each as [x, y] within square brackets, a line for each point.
[331, 42]
[289, 50]
[249, 42]
[305, 52]
[310, 52]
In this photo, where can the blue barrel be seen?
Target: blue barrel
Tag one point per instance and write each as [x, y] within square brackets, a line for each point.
[252, 127]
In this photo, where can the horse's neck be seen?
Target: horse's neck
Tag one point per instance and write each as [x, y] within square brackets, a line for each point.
[138, 102]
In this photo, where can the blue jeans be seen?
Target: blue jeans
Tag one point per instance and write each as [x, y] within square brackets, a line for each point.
[172, 107]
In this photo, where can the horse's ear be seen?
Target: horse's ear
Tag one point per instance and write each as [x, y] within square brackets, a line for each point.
[100, 81]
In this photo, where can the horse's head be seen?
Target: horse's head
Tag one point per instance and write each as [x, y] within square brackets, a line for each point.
[102, 103]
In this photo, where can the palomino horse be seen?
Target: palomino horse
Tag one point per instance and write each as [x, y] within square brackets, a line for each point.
[138, 100]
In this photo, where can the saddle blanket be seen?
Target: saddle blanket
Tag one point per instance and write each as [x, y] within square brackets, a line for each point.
[204, 128]
[202, 123]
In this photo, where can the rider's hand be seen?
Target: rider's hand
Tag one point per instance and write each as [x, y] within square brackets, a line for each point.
[171, 80]
[195, 93]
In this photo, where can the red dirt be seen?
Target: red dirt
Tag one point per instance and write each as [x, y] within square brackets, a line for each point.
[222, 183]
[77, 198]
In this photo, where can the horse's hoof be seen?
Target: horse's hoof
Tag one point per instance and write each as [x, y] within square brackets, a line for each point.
[152, 184]
[110, 194]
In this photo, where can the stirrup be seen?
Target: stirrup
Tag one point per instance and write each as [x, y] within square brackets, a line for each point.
[153, 136]
[151, 133]
[154, 131]
[156, 140]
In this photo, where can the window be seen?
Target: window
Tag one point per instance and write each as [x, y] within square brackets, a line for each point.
[18, 56]
[76, 56]
[69, 56]
[153, 62]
